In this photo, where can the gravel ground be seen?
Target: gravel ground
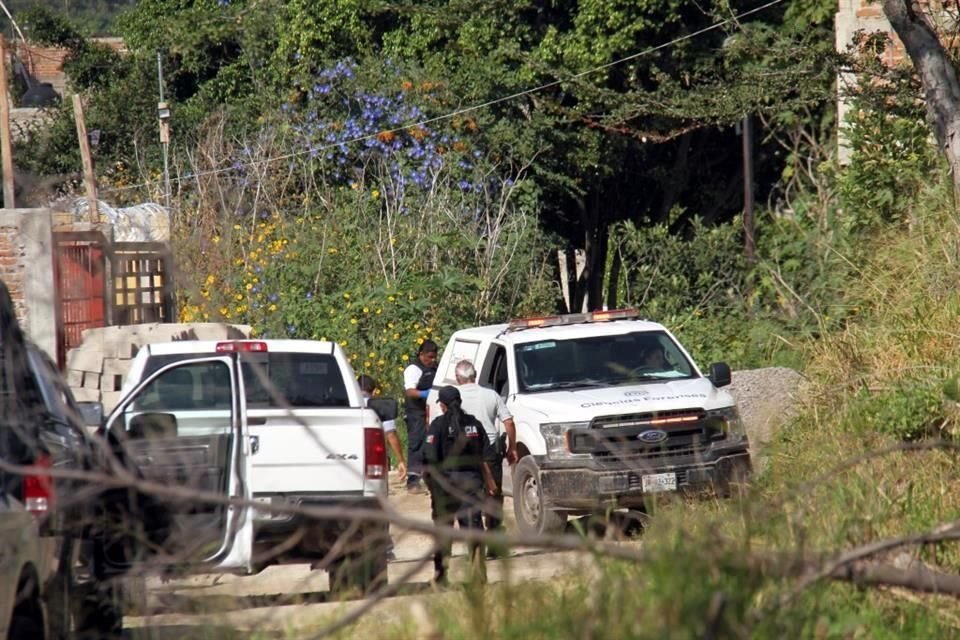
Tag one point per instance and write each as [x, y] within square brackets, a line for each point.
[767, 399]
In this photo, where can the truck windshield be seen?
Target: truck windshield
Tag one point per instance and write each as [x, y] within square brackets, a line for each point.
[642, 356]
[272, 380]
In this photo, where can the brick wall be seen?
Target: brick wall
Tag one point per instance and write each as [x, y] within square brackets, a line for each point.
[13, 265]
[46, 63]
[26, 266]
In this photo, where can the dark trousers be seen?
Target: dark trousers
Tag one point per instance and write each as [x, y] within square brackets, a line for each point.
[493, 505]
[458, 503]
[416, 432]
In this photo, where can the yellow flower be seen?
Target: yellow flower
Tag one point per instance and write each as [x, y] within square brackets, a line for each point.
[211, 279]
[371, 355]
[353, 321]
[272, 307]
[224, 311]
[405, 357]
[237, 227]
[346, 296]
[239, 296]
[366, 310]
[391, 298]
[396, 336]
[366, 364]
[249, 286]
[375, 193]
[419, 340]
[333, 250]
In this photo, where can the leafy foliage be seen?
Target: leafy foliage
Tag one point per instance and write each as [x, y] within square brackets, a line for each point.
[886, 130]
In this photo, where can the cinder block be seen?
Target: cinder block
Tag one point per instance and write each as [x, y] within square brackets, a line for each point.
[85, 358]
[109, 400]
[115, 366]
[86, 395]
[74, 378]
[91, 380]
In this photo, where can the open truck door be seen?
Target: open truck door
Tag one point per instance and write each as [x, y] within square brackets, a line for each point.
[182, 432]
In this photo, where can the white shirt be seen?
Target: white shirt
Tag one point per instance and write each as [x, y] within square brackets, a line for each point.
[485, 405]
[411, 376]
[388, 425]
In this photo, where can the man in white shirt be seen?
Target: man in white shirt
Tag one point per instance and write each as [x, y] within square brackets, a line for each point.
[417, 382]
[488, 407]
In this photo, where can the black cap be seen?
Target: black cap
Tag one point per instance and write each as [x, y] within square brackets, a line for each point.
[448, 394]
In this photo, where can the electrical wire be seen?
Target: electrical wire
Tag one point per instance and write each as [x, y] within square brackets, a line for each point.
[734, 19]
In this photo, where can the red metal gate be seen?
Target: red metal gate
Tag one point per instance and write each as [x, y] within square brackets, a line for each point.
[79, 264]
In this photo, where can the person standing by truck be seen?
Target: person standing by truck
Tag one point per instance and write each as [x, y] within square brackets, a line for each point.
[368, 386]
[458, 455]
[417, 381]
[488, 407]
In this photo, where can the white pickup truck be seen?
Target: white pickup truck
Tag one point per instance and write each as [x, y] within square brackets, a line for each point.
[274, 423]
[608, 408]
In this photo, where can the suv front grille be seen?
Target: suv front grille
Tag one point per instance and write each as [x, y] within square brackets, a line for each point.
[619, 437]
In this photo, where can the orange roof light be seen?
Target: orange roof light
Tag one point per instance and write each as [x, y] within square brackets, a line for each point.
[572, 318]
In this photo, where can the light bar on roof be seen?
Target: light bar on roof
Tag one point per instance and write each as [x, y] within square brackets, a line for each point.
[572, 318]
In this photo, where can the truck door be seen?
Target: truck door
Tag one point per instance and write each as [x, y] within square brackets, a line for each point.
[183, 431]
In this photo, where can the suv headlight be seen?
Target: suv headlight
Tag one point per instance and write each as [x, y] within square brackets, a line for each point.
[729, 419]
[555, 435]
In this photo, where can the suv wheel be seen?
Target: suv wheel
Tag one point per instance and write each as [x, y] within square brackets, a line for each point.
[533, 517]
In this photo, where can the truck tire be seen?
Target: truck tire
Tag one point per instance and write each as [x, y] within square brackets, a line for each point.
[364, 572]
[533, 517]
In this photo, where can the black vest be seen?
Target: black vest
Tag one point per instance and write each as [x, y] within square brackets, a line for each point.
[427, 375]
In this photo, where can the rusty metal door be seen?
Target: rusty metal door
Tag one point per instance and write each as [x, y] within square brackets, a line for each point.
[79, 264]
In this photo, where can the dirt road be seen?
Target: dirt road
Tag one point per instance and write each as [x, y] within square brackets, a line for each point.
[289, 601]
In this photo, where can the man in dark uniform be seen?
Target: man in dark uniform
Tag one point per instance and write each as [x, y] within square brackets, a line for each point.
[417, 381]
[458, 454]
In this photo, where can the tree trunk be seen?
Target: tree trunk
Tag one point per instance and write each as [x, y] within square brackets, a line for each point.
[937, 76]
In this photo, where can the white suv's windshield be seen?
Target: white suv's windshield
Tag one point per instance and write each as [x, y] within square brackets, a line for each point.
[642, 356]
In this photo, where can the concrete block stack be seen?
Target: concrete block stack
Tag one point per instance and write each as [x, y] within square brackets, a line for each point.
[97, 368]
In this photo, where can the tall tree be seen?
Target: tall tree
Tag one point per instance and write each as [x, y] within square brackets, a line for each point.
[938, 76]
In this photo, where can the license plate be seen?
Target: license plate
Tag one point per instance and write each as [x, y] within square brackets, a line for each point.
[657, 482]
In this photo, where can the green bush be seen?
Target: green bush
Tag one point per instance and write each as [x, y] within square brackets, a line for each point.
[908, 413]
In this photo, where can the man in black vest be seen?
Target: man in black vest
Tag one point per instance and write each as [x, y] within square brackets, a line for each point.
[417, 381]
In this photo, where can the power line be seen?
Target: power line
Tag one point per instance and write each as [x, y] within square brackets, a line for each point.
[458, 112]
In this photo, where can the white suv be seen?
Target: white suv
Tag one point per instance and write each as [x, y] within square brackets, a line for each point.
[608, 408]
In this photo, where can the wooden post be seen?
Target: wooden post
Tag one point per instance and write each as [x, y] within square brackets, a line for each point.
[6, 147]
[89, 177]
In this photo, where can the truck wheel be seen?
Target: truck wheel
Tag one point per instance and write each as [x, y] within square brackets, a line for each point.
[532, 515]
[364, 572]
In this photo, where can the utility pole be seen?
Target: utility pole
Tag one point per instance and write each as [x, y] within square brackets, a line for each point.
[749, 242]
[89, 177]
[6, 146]
[163, 113]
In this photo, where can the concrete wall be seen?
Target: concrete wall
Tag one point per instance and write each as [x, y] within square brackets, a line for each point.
[26, 266]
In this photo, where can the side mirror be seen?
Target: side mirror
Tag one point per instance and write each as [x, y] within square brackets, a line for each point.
[385, 408]
[91, 413]
[719, 374]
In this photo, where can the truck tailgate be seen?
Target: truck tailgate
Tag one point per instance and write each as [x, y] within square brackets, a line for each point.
[307, 450]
